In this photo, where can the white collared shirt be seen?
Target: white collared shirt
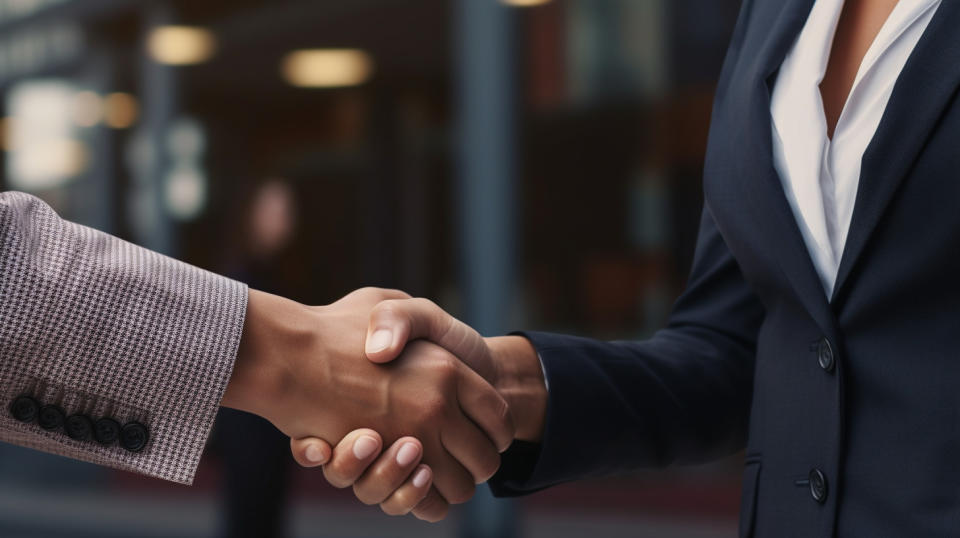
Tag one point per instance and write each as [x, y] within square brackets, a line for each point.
[820, 176]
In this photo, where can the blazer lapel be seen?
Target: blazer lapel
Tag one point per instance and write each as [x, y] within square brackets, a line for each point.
[928, 83]
[774, 217]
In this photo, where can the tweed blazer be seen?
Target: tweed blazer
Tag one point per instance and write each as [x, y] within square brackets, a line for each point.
[109, 353]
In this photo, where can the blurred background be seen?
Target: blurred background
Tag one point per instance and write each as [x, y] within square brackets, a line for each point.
[525, 163]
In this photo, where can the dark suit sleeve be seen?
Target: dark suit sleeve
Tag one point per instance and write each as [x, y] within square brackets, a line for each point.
[682, 396]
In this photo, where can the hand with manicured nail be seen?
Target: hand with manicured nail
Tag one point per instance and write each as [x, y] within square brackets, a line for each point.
[303, 368]
[396, 480]
[509, 363]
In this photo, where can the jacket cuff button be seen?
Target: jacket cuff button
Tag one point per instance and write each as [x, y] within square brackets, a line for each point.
[134, 436]
[51, 417]
[79, 427]
[25, 409]
[106, 431]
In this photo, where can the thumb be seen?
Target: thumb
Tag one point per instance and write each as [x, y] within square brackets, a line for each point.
[393, 323]
[388, 330]
[310, 451]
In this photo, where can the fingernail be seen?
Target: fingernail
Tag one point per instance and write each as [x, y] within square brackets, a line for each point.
[407, 453]
[313, 454]
[379, 340]
[421, 478]
[364, 447]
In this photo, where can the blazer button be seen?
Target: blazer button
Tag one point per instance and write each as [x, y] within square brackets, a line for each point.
[79, 427]
[51, 417]
[25, 409]
[825, 355]
[106, 431]
[134, 436]
[818, 486]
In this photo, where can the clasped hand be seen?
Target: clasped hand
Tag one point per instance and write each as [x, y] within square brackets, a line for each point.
[439, 398]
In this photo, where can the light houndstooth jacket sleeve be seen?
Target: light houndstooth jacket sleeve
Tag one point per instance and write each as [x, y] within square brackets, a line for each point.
[109, 353]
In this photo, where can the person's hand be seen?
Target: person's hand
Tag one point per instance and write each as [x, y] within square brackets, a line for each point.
[509, 363]
[397, 480]
[303, 369]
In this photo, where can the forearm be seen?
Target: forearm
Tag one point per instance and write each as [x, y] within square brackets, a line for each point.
[681, 397]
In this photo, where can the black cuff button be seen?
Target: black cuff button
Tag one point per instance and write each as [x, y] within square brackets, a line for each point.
[79, 427]
[106, 431]
[134, 436]
[51, 417]
[25, 409]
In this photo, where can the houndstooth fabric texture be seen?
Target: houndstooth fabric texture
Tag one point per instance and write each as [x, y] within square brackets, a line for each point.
[103, 327]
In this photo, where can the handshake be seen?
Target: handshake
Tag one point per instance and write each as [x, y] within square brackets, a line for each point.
[379, 368]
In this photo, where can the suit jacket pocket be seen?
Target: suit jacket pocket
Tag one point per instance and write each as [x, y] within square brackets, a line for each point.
[748, 498]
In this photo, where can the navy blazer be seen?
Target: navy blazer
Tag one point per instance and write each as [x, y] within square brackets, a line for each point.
[848, 407]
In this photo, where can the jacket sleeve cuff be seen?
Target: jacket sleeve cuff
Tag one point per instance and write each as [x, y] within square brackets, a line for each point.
[97, 328]
[530, 467]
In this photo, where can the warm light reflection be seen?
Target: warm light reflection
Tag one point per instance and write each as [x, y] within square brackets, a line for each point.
[327, 68]
[525, 3]
[56, 158]
[120, 110]
[46, 143]
[181, 45]
[5, 128]
[87, 109]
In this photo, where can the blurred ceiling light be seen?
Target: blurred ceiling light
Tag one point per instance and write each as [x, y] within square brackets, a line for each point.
[42, 165]
[186, 140]
[46, 142]
[181, 45]
[185, 192]
[327, 68]
[120, 110]
[87, 109]
[525, 3]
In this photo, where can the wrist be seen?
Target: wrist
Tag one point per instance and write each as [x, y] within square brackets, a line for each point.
[273, 327]
[520, 380]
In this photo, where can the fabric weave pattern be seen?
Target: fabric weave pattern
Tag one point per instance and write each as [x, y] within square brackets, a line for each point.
[103, 327]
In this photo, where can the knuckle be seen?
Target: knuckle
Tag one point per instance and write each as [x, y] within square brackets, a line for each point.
[368, 292]
[431, 517]
[489, 468]
[403, 501]
[432, 508]
[339, 469]
[446, 365]
[374, 293]
[338, 474]
[396, 294]
[432, 408]
[461, 493]
[392, 509]
[387, 308]
[382, 474]
[335, 480]
[501, 411]
[365, 496]
[505, 420]
[424, 303]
